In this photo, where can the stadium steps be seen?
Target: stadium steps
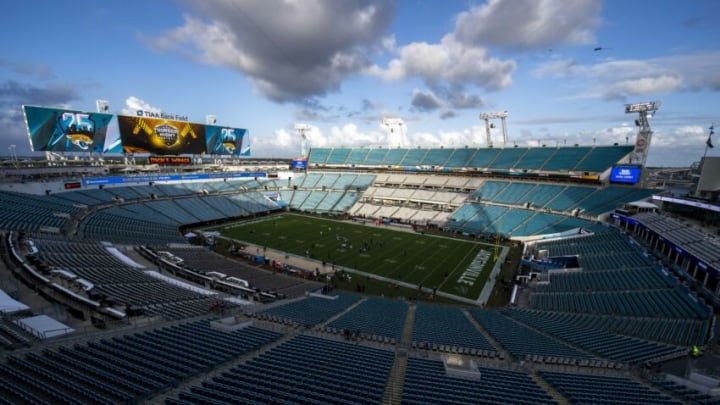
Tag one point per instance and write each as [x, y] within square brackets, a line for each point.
[396, 381]
[490, 228]
[547, 159]
[503, 354]
[580, 161]
[337, 316]
[406, 337]
[522, 224]
[198, 379]
[332, 208]
[293, 202]
[327, 195]
[561, 400]
[577, 203]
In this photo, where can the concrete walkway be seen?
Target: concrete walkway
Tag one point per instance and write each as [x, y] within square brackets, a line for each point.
[490, 283]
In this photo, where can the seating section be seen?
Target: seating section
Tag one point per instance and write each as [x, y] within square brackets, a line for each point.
[523, 342]
[485, 219]
[535, 158]
[115, 283]
[597, 158]
[565, 159]
[653, 303]
[586, 389]
[26, 212]
[427, 383]
[375, 316]
[13, 336]
[617, 279]
[591, 201]
[688, 394]
[599, 342]
[676, 331]
[437, 325]
[303, 370]
[156, 222]
[130, 225]
[124, 369]
[594, 159]
[311, 310]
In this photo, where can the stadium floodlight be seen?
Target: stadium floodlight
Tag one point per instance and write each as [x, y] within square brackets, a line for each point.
[102, 106]
[210, 119]
[649, 106]
[644, 110]
[302, 130]
[492, 116]
[396, 129]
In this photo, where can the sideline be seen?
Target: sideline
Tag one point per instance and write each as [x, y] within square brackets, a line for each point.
[490, 283]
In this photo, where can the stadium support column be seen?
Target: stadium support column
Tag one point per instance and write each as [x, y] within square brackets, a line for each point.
[490, 116]
[103, 107]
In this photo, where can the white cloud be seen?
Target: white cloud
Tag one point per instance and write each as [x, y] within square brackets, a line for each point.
[448, 62]
[645, 85]
[462, 59]
[529, 23]
[613, 79]
[290, 50]
[134, 104]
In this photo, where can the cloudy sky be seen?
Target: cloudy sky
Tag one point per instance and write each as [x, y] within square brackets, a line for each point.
[562, 69]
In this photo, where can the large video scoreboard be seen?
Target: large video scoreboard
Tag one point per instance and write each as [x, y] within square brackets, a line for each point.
[225, 141]
[62, 130]
[160, 136]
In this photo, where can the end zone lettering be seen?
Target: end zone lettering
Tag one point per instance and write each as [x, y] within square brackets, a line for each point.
[169, 160]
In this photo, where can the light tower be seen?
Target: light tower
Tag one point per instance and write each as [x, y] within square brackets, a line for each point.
[395, 128]
[102, 106]
[210, 119]
[642, 141]
[491, 116]
[302, 129]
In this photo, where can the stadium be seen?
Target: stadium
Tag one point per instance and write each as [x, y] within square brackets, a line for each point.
[186, 272]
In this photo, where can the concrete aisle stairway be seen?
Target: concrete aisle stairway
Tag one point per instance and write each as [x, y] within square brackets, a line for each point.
[394, 387]
[561, 400]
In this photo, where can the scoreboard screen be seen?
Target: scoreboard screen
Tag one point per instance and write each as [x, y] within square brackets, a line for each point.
[625, 174]
[161, 136]
[61, 130]
[299, 164]
[224, 140]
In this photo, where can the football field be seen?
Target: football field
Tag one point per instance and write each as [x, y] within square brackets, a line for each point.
[455, 266]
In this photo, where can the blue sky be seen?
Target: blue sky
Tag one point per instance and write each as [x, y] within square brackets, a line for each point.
[342, 66]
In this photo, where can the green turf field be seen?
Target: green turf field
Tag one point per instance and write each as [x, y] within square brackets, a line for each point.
[429, 261]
